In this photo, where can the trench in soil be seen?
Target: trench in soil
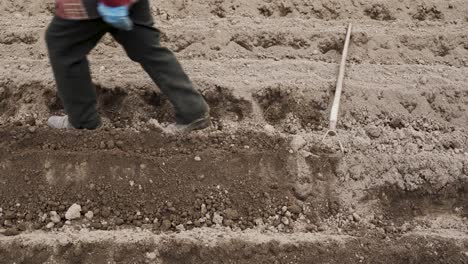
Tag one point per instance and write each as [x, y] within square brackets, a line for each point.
[437, 106]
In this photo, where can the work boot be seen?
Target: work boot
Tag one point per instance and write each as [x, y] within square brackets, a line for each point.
[59, 122]
[197, 124]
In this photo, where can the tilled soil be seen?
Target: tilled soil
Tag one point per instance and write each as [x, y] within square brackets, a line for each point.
[268, 70]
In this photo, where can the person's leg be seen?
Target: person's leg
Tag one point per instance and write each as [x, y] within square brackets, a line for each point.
[68, 43]
[142, 45]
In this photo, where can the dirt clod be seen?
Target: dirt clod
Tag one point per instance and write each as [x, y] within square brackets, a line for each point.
[55, 217]
[217, 219]
[89, 215]
[231, 214]
[11, 232]
[166, 225]
[379, 11]
[295, 209]
[297, 143]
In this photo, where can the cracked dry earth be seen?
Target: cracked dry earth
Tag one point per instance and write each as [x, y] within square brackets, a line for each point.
[260, 186]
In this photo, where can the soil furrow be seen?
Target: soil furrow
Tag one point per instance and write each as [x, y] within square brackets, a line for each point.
[421, 10]
[374, 43]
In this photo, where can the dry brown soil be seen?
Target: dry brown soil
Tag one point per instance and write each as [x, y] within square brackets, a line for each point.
[261, 175]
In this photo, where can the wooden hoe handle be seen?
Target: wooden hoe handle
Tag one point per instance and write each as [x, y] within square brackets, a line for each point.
[339, 83]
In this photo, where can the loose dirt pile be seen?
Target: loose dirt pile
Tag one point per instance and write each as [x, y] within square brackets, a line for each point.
[268, 70]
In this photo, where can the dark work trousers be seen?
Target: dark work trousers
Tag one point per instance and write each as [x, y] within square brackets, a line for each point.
[70, 41]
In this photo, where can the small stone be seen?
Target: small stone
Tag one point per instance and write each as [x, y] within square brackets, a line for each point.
[11, 232]
[110, 144]
[7, 223]
[119, 143]
[89, 215]
[96, 225]
[465, 166]
[68, 222]
[30, 120]
[180, 228]
[276, 221]
[311, 228]
[423, 80]
[295, 209]
[147, 226]
[74, 212]
[54, 217]
[373, 132]
[50, 225]
[231, 214]
[197, 158]
[280, 227]
[356, 217]
[22, 227]
[217, 219]
[32, 129]
[259, 222]
[203, 209]
[106, 212]
[397, 123]
[166, 225]
[285, 221]
[9, 215]
[154, 125]
[315, 52]
[151, 256]
[228, 222]
[269, 129]
[297, 143]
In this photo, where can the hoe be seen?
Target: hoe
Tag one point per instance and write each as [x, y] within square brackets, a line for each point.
[339, 87]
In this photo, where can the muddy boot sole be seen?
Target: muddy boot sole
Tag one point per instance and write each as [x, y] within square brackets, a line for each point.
[198, 124]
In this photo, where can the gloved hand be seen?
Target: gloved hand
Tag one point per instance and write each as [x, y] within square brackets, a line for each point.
[117, 17]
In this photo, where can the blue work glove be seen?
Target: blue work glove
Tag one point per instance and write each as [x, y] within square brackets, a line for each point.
[117, 17]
